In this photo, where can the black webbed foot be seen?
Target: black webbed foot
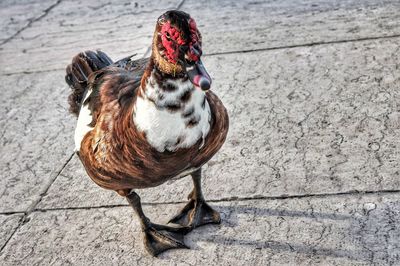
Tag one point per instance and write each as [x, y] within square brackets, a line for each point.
[196, 213]
[159, 238]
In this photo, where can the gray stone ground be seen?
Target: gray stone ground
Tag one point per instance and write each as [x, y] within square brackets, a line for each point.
[309, 174]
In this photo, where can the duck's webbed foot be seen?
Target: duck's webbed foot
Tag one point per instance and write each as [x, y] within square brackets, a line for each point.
[197, 212]
[157, 238]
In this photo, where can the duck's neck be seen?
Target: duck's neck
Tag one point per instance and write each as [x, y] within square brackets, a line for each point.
[171, 111]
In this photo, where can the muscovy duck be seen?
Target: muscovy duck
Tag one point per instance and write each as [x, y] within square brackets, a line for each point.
[143, 122]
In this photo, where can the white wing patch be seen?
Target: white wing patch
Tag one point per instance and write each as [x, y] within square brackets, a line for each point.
[82, 126]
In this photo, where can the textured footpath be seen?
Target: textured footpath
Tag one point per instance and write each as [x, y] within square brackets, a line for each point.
[309, 174]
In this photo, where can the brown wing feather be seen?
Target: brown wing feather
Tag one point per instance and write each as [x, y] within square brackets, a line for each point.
[118, 81]
[117, 156]
[77, 73]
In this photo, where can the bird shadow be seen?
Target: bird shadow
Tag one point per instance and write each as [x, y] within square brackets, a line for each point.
[230, 218]
[230, 213]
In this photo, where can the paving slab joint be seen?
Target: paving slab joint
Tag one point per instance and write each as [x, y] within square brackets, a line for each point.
[305, 45]
[180, 4]
[47, 187]
[231, 199]
[31, 21]
[25, 218]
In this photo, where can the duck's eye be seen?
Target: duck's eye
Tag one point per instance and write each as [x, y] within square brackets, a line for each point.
[167, 36]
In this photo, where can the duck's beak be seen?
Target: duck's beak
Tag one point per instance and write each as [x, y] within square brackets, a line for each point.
[189, 56]
[198, 75]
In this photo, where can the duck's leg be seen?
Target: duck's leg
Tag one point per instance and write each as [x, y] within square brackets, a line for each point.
[157, 238]
[197, 212]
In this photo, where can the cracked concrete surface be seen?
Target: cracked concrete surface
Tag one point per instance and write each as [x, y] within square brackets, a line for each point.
[121, 29]
[309, 173]
[33, 136]
[330, 126]
[17, 16]
[8, 225]
[350, 230]
[290, 23]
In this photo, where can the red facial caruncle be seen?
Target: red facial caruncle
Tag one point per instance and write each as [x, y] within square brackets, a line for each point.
[172, 39]
[195, 44]
[181, 42]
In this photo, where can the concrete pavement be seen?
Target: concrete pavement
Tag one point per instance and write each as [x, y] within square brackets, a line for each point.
[309, 174]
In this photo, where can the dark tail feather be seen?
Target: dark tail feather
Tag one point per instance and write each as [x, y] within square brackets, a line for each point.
[78, 72]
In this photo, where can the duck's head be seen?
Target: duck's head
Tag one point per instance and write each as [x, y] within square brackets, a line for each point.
[177, 47]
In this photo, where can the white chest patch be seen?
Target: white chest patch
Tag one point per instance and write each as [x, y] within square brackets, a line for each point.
[82, 126]
[171, 129]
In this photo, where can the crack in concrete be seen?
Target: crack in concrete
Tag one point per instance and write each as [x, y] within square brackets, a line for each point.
[147, 53]
[47, 187]
[305, 45]
[31, 72]
[31, 21]
[180, 4]
[24, 219]
[20, 222]
[230, 199]
[9, 213]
